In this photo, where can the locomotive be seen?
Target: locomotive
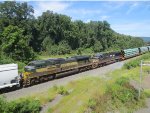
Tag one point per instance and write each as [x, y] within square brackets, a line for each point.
[43, 70]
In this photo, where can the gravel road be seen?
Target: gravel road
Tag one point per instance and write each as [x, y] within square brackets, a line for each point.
[61, 81]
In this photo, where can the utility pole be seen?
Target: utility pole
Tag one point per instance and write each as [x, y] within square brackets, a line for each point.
[140, 79]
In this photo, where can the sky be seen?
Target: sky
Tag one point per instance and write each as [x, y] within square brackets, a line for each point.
[125, 17]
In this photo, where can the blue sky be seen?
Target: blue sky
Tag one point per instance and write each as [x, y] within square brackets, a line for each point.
[125, 17]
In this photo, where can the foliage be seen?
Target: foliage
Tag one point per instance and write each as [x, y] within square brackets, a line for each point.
[19, 106]
[4, 59]
[2, 104]
[62, 90]
[53, 33]
[14, 44]
[147, 93]
[118, 95]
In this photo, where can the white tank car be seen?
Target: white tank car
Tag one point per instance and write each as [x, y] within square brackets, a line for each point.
[9, 75]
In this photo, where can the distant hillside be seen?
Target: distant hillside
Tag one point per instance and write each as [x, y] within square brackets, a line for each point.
[146, 39]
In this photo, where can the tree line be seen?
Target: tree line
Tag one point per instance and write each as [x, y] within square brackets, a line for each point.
[22, 35]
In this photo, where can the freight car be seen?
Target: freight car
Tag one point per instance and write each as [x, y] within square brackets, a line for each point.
[129, 53]
[9, 76]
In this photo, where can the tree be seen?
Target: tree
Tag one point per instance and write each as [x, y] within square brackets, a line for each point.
[63, 48]
[15, 44]
[97, 47]
[15, 13]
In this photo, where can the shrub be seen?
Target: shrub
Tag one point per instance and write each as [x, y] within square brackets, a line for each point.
[21, 66]
[132, 64]
[24, 106]
[5, 60]
[3, 104]
[19, 106]
[62, 91]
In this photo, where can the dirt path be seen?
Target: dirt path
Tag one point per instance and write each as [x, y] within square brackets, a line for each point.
[52, 103]
[62, 81]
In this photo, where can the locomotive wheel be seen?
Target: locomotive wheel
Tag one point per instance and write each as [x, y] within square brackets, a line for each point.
[32, 82]
[54, 76]
[41, 79]
[94, 66]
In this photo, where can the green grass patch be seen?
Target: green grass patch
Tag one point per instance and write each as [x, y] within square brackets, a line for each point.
[46, 96]
[80, 92]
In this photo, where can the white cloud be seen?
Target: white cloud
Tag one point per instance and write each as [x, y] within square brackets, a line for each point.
[104, 17]
[134, 29]
[83, 11]
[132, 7]
[56, 6]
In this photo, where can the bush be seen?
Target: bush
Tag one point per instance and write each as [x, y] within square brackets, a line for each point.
[63, 48]
[24, 106]
[62, 91]
[19, 106]
[131, 64]
[122, 90]
[21, 66]
[117, 95]
[4, 59]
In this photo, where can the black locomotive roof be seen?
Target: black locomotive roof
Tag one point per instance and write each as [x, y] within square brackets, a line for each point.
[37, 62]
[70, 60]
[56, 60]
[78, 58]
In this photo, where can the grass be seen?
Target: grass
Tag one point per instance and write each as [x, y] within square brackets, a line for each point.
[99, 96]
[80, 92]
[46, 96]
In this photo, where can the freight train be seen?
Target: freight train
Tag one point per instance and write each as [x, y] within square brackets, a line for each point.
[43, 70]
